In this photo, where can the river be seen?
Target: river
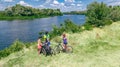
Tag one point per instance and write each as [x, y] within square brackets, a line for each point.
[27, 30]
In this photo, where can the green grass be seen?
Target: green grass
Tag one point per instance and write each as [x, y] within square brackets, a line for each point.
[95, 48]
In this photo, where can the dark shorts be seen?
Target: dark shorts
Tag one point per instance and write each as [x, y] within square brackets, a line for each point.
[65, 43]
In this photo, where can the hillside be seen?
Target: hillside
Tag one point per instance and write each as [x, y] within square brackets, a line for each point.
[95, 48]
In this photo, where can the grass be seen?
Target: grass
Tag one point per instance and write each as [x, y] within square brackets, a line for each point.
[95, 48]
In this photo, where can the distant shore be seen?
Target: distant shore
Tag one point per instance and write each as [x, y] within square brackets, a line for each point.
[23, 17]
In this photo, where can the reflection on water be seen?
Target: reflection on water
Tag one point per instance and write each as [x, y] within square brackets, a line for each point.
[27, 30]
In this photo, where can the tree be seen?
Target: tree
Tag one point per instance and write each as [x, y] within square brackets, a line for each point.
[115, 13]
[19, 10]
[97, 14]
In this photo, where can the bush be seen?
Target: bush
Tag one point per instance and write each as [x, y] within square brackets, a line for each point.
[67, 26]
[17, 46]
[88, 26]
[115, 13]
[4, 53]
[98, 14]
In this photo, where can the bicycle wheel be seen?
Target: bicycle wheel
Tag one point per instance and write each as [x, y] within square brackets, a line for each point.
[57, 49]
[52, 52]
[44, 51]
[69, 49]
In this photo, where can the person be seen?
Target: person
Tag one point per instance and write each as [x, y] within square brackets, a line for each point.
[64, 38]
[46, 36]
[39, 44]
[47, 39]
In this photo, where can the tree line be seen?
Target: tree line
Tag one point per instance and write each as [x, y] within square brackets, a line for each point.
[25, 11]
[75, 12]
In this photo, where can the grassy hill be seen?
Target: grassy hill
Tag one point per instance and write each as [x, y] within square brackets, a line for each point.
[95, 48]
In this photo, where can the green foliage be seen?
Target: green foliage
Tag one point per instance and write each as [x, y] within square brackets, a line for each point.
[28, 45]
[115, 13]
[24, 12]
[97, 14]
[70, 26]
[67, 26]
[75, 12]
[17, 46]
[88, 27]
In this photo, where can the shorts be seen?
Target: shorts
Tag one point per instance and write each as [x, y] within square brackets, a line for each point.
[39, 47]
[65, 43]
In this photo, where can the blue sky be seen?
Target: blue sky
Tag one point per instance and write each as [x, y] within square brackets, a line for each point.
[64, 5]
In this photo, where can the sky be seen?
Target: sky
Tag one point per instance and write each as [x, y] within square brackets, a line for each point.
[63, 5]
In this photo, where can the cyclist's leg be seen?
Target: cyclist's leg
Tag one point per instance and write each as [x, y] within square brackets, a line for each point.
[39, 50]
[63, 46]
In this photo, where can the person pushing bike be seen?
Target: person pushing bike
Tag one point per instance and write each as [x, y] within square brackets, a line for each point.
[47, 39]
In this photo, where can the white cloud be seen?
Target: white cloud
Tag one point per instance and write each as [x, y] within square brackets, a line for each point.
[24, 3]
[79, 4]
[8, 0]
[62, 4]
[41, 6]
[108, 0]
[1, 6]
[47, 1]
[112, 2]
[67, 5]
[72, 4]
[52, 5]
[79, 1]
[55, 2]
[69, 0]
[36, 0]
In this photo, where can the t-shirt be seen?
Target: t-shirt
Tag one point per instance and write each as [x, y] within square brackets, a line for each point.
[64, 40]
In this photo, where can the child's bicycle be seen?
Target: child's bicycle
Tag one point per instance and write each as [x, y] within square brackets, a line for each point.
[58, 48]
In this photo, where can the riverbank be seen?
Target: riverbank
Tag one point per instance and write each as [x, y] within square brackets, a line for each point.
[95, 48]
[23, 17]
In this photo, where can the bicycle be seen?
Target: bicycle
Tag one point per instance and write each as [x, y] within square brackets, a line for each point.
[47, 51]
[58, 48]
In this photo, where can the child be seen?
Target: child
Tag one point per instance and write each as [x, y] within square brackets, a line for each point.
[65, 41]
[39, 45]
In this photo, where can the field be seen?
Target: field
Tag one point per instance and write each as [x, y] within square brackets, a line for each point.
[95, 48]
